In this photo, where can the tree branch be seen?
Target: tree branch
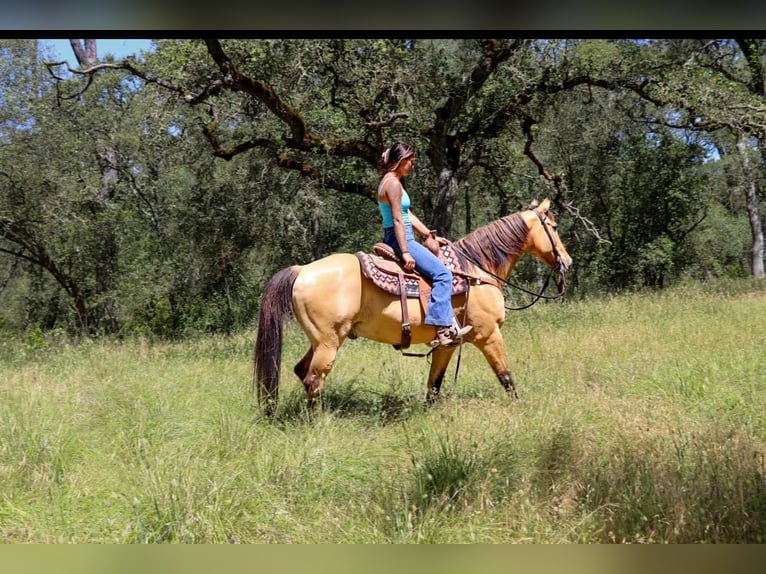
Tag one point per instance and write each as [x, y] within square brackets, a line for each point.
[589, 226]
[388, 122]
[302, 138]
[493, 54]
[312, 173]
[558, 183]
[16, 257]
[236, 81]
[89, 73]
[526, 126]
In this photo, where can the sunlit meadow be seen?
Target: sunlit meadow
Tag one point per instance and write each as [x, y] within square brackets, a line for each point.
[641, 419]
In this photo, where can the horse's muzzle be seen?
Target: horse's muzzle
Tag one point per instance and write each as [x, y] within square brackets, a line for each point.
[563, 265]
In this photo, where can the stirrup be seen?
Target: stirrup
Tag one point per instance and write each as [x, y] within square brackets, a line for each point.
[449, 336]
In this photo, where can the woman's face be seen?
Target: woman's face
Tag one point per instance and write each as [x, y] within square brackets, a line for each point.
[406, 166]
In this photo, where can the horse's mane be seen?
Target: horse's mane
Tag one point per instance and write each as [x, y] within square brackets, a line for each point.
[492, 245]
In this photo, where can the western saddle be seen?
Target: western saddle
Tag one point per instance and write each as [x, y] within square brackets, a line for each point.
[384, 268]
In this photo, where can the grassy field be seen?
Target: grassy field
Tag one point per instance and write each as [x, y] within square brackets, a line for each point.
[641, 419]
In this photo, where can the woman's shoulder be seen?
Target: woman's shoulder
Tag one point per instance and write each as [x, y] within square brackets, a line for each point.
[390, 183]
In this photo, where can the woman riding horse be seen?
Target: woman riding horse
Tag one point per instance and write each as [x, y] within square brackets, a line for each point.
[332, 300]
[398, 225]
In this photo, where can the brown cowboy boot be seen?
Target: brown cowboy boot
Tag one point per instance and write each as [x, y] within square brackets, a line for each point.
[449, 336]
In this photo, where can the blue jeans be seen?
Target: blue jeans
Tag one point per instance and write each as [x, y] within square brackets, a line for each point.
[427, 264]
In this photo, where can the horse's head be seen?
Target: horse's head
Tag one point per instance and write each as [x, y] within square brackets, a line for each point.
[543, 241]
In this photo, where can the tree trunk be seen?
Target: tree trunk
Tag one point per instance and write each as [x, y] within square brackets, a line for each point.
[751, 199]
[445, 162]
[468, 218]
[444, 206]
[84, 51]
[87, 56]
[756, 228]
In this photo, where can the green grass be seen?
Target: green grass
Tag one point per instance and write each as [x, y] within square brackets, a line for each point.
[641, 419]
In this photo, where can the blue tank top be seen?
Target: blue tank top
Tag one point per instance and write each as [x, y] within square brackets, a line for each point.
[385, 210]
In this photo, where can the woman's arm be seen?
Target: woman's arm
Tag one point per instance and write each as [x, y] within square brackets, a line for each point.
[418, 226]
[429, 236]
[392, 191]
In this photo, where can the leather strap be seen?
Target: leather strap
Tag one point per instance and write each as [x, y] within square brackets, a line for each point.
[406, 328]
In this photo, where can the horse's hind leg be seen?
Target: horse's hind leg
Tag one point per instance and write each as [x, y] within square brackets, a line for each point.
[302, 368]
[440, 358]
[321, 362]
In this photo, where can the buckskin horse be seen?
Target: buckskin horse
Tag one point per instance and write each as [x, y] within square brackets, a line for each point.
[333, 299]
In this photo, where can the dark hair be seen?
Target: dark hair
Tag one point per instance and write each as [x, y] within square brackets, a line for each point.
[394, 154]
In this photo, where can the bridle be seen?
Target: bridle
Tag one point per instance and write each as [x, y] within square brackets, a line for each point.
[555, 250]
[540, 294]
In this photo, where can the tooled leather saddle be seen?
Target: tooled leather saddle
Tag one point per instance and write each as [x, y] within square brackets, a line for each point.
[384, 268]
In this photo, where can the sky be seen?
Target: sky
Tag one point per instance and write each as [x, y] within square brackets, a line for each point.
[119, 48]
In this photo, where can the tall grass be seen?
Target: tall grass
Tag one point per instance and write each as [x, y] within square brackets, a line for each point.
[641, 419]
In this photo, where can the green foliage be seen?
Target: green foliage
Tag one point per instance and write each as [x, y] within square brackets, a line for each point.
[655, 261]
[645, 192]
[117, 219]
[720, 246]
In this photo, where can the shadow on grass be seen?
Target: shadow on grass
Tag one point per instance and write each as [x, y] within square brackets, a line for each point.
[353, 399]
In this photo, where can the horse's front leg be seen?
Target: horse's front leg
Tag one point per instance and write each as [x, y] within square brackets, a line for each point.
[440, 358]
[493, 350]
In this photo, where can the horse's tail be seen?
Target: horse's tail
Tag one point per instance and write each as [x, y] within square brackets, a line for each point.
[276, 308]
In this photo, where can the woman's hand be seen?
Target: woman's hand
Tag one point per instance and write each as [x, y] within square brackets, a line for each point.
[432, 244]
[409, 261]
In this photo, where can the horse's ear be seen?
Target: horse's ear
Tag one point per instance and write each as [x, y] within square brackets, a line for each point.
[545, 205]
[534, 204]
